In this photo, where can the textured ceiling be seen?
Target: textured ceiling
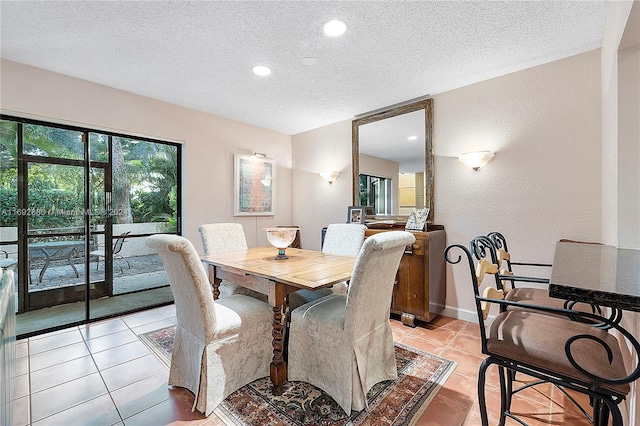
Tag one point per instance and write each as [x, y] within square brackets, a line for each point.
[200, 54]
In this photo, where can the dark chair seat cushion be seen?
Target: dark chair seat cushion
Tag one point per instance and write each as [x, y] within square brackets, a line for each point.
[539, 341]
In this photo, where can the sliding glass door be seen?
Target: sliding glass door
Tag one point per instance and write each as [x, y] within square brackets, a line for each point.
[77, 207]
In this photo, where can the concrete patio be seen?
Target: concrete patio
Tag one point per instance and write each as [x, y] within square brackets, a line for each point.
[144, 284]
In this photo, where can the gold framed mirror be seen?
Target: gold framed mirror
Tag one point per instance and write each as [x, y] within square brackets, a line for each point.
[391, 149]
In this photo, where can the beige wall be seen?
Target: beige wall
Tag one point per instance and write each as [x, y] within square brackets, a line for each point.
[543, 184]
[209, 141]
[621, 148]
[317, 203]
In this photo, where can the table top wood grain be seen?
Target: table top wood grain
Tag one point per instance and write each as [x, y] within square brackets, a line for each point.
[305, 269]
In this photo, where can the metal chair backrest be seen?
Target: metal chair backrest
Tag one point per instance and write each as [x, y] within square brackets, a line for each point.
[119, 242]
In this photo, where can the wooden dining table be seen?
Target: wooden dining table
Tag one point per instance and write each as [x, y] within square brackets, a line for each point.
[258, 270]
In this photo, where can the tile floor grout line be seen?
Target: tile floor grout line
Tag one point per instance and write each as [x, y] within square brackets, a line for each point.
[102, 377]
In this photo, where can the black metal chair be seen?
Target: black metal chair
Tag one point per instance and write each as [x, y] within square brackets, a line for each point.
[495, 245]
[7, 262]
[502, 251]
[117, 247]
[547, 344]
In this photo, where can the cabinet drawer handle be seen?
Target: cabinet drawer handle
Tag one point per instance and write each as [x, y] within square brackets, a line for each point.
[412, 296]
[410, 249]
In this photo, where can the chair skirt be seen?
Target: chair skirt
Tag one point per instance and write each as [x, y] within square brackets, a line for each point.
[323, 354]
[213, 370]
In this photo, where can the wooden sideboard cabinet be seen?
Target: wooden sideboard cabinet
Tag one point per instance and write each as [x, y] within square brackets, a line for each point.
[420, 287]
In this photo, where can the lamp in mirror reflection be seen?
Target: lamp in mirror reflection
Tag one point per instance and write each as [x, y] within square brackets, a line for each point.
[476, 159]
[330, 176]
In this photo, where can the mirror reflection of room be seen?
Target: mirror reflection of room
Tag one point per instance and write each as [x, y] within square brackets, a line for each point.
[392, 164]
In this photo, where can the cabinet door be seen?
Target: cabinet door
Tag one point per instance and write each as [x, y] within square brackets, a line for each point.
[409, 293]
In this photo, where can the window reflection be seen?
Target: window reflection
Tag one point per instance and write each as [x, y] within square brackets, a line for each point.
[375, 191]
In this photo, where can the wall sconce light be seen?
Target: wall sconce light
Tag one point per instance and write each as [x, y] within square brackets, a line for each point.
[259, 155]
[330, 176]
[476, 159]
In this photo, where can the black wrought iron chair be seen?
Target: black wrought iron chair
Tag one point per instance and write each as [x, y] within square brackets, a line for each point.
[500, 243]
[117, 247]
[546, 343]
[495, 246]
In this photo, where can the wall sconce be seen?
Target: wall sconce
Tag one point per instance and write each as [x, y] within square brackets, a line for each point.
[329, 176]
[476, 159]
[259, 155]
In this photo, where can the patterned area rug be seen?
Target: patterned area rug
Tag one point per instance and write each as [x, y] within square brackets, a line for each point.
[396, 402]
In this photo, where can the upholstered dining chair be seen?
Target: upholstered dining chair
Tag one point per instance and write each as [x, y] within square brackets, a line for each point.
[227, 238]
[340, 238]
[219, 345]
[343, 343]
[343, 238]
[548, 344]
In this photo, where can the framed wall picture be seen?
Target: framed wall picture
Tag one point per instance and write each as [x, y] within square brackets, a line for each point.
[254, 189]
[355, 214]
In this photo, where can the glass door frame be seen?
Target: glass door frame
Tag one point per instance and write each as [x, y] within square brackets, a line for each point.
[23, 204]
[26, 300]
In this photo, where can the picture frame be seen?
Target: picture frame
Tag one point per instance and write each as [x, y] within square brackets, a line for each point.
[355, 214]
[254, 188]
[417, 220]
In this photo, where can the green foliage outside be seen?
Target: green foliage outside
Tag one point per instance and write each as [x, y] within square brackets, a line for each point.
[150, 179]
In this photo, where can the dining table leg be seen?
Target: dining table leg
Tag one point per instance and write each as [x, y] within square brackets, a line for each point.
[278, 367]
[277, 300]
[215, 282]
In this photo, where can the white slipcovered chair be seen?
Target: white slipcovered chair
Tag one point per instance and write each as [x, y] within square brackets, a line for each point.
[343, 343]
[340, 238]
[219, 345]
[227, 238]
[344, 238]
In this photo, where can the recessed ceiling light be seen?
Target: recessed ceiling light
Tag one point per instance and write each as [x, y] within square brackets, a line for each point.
[261, 70]
[412, 138]
[334, 28]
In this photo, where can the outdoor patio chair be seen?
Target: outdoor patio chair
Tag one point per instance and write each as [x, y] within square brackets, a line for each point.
[117, 247]
[7, 262]
[343, 344]
[219, 345]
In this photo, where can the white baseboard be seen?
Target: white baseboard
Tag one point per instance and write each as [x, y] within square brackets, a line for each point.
[461, 314]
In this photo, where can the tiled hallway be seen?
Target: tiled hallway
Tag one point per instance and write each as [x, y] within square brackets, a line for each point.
[102, 374]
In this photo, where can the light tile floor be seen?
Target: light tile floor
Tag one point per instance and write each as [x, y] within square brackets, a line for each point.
[102, 374]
